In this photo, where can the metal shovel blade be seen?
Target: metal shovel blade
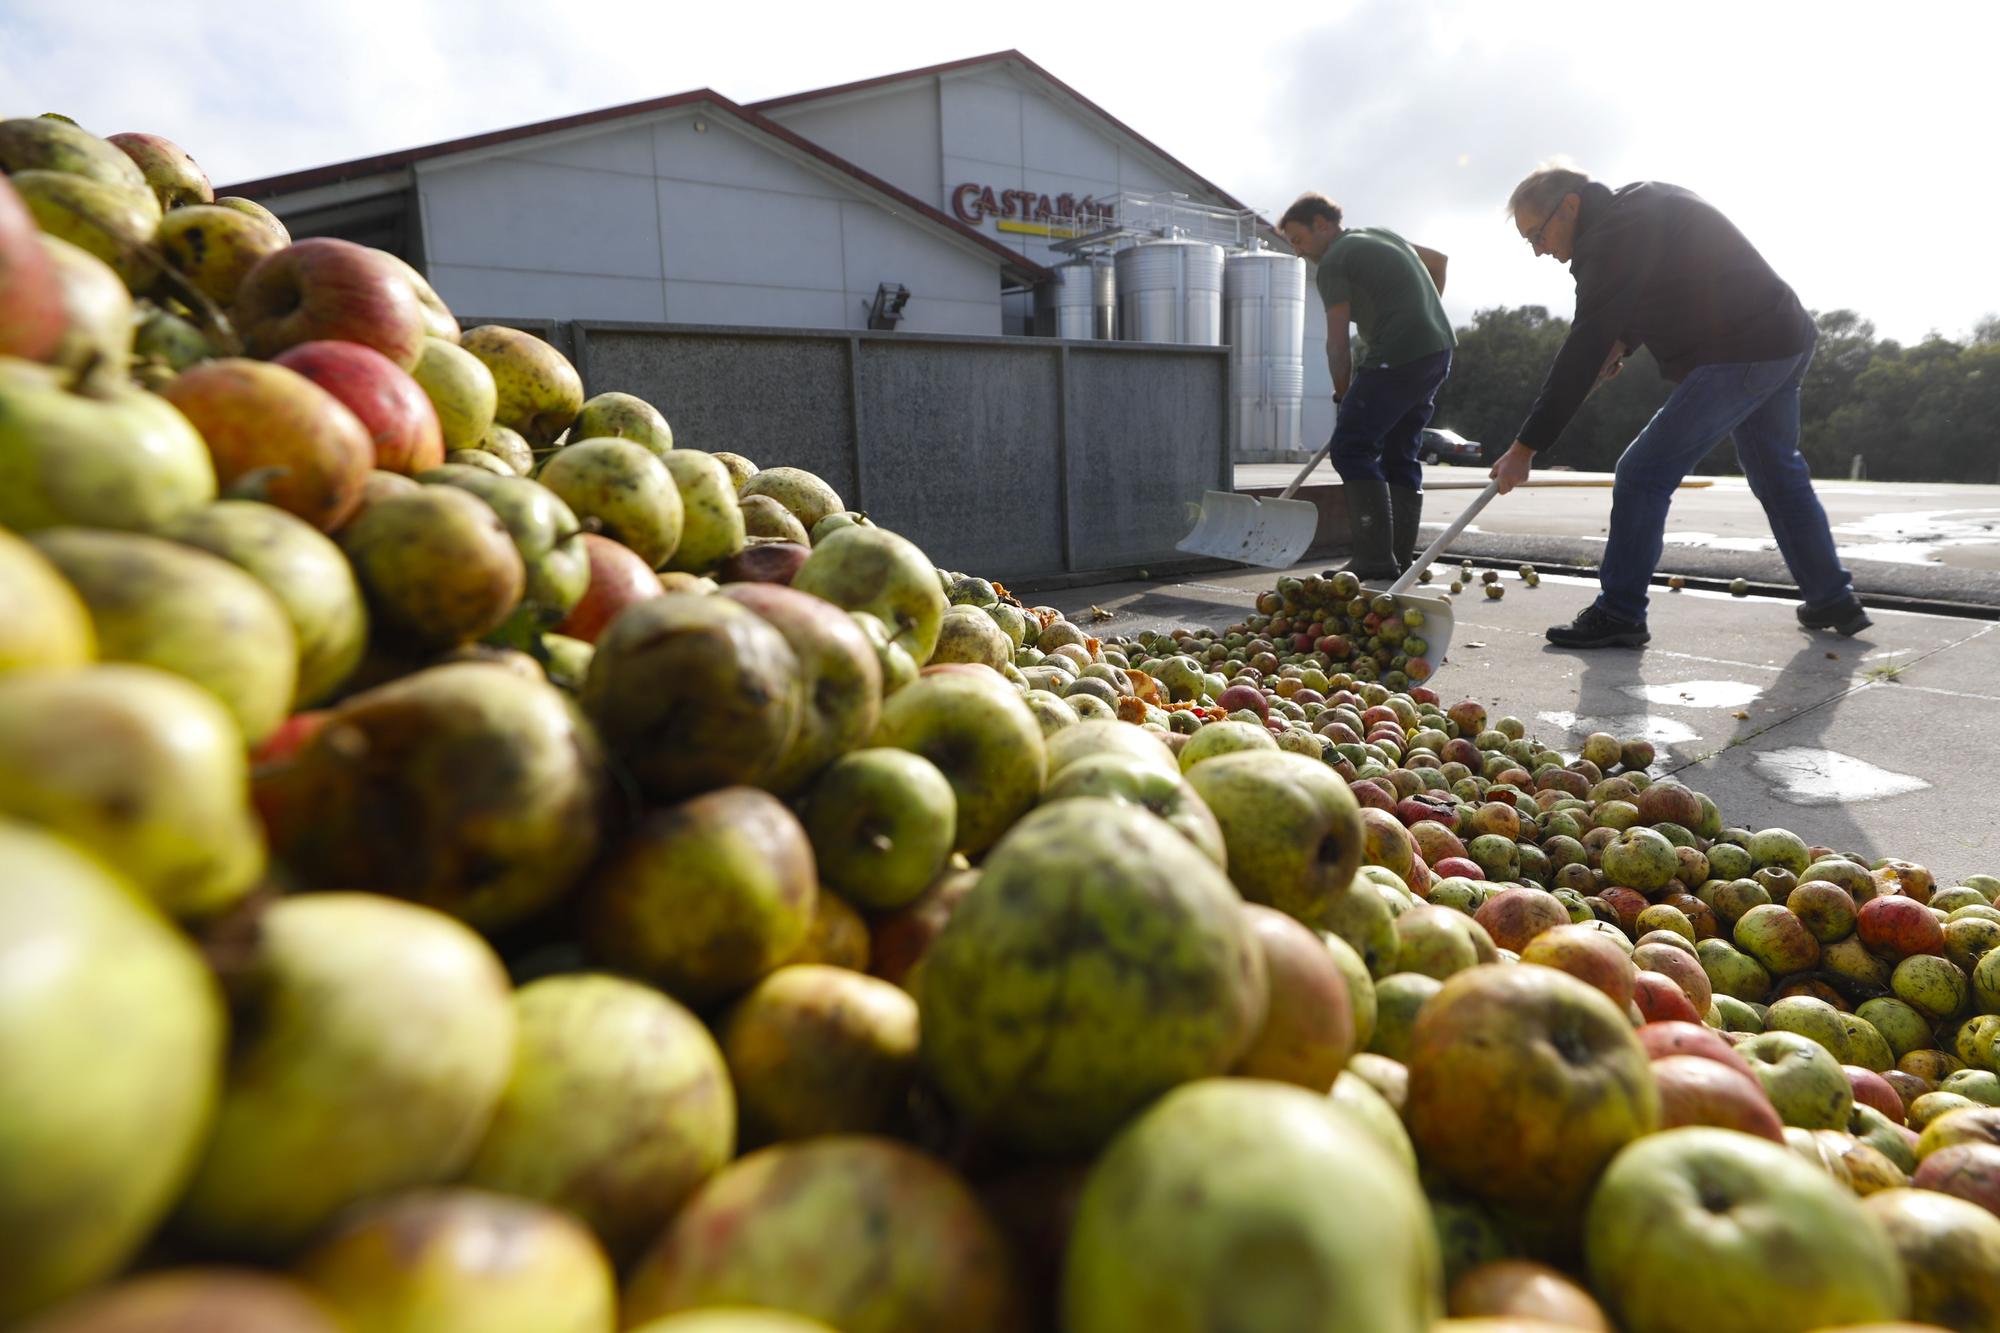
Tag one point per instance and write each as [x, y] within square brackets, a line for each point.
[1242, 528]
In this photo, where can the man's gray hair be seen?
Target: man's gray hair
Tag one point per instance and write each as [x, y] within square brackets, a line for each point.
[1544, 188]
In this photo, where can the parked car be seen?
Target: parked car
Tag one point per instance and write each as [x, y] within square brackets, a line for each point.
[1448, 446]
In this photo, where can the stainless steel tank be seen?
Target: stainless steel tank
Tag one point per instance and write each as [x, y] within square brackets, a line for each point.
[1264, 323]
[1170, 291]
[1079, 300]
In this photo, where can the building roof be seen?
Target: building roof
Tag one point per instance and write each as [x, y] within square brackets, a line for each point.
[334, 173]
[1005, 58]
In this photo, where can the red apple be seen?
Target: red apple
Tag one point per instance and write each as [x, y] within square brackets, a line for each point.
[618, 578]
[276, 435]
[1460, 867]
[1871, 1089]
[1698, 1091]
[1970, 1171]
[31, 303]
[170, 173]
[1660, 998]
[324, 287]
[396, 411]
[1243, 696]
[1590, 955]
[1678, 1038]
[1308, 1030]
[1893, 926]
[1514, 917]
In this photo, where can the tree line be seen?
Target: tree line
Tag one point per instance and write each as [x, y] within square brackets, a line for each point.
[1927, 412]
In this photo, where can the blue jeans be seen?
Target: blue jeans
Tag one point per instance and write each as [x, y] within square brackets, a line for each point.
[1380, 426]
[1759, 402]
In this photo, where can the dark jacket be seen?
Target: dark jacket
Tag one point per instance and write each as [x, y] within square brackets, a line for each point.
[1657, 266]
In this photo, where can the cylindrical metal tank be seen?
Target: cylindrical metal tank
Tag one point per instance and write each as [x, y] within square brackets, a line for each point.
[1170, 291]
[1264, 323]
[1078, 301]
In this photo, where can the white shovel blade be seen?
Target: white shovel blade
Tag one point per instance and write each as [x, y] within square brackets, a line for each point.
[1273, 533]
[1439, 621]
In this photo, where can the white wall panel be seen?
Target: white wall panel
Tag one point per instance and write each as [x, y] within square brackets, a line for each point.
[982, 119]
[507, 213]
[628, 150]
[526, 294]
[1058, 139]
[893, 135]
[736, 303]
[723, 233]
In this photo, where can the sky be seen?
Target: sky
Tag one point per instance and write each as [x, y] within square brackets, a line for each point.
[1857, 145]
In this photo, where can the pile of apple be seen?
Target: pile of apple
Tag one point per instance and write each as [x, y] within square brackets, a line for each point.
[469, 863]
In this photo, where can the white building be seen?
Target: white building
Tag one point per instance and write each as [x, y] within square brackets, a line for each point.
[950, 183]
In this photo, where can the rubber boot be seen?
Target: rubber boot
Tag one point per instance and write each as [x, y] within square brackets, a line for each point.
[1406, 511]
[1368, 531]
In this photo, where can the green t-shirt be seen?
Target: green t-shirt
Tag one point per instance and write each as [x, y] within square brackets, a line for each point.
[1389, 294]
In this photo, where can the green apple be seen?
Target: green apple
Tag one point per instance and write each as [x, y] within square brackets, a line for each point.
[805, 496]
[618, 1107]
[224, 1300]
[251, 208]
[1400, 998]
[215, 248]
[705, 897]
[438, 565]
[694, 692]
[1089, 739]
[1304, 1221]
[1100, 961]
[1124, 777]
[304, 570]
[539, 391]
[545, 533]
[968, 634]
[423, 1259]
[711, 519]
[1780, 1247]
[97, 313]
[112, 1036]
[439, 322]
[623, 416]
[882, 824]
[814, 1049]
[157, 793]
[174, 177]
[377, 1035]
[43, 623]
[974, 727]
[838, 670]
[1292, 828]
[623, 491]
[46, 143]
[852, 1231]
[106, 455]
[874, 570]
[1951, 1251]
[113, 223]
[461, 388]
[185, 611]
[1802, 1078]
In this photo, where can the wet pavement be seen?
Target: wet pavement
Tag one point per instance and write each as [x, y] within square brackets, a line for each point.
[1885, 744]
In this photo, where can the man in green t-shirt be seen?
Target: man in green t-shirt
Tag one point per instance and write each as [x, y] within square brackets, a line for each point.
[1385, 390]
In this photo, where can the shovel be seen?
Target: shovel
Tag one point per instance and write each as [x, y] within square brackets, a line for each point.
[1438, 614]
[1273, 533]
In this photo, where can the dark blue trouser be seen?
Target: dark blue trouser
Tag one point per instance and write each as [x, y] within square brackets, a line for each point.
[1758, 402]
[1380, 426]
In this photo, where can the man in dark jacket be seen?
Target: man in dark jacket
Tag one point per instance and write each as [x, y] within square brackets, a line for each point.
[1657, 266]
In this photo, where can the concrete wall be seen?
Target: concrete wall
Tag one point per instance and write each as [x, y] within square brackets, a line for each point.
[664, 221]
[1009, 458]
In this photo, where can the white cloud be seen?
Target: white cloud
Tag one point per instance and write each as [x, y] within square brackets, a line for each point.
[1851, 143]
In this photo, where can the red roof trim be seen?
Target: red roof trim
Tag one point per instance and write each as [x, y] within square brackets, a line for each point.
[370, 166]
[996, 58]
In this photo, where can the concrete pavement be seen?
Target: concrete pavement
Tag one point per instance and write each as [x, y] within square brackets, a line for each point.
[1880, 744]
[1933, 542]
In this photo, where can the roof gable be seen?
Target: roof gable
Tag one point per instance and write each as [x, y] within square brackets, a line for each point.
[777, 136]
[1022, 67]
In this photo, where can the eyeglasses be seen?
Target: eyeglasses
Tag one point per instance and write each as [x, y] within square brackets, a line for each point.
[1535, 237]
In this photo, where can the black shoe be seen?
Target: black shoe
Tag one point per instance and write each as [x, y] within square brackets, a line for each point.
[1594, 627]
[1845, 616]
